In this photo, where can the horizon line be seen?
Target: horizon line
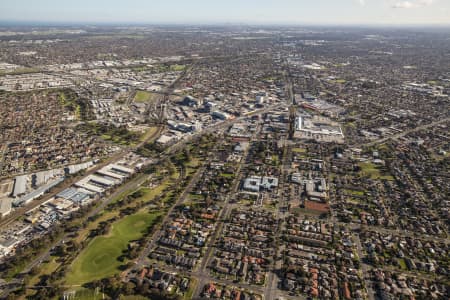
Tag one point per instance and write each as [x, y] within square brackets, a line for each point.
[218, 23]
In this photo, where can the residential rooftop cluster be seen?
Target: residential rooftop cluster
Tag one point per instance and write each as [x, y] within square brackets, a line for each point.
[284, 163]
[244, 250]
[154, 278]
[219, 291]
[36, 134]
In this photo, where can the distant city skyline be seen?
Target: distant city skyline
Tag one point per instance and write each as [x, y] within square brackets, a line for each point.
[283, 12]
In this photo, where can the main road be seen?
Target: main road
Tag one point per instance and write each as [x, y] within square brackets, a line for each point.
[17, 213]
[402, 134]
[140, 262]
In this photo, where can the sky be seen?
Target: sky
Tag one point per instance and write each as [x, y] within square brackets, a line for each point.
[283, 12]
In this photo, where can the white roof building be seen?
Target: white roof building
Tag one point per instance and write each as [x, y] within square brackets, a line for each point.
[256, 183]
[20, 185]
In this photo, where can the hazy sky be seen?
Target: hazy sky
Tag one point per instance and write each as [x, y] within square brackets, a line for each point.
[229, 11]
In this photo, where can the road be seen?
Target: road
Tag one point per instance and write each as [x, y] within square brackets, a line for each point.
[272, 279]
[402, 134]
[133, 184]
[67, 183]
[364, 268]
[18, 212]
[224, 214]
[210, 246]
[128, 186]
[398, 232]
[203, 277]
[140, 262]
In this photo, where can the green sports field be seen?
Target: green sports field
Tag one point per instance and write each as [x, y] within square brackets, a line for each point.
[99, 259]
[374, 171]
[143, 96]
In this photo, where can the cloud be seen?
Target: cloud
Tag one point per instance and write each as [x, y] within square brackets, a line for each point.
[412, 4]
[404, 4]
[362, 2]
[426, 2]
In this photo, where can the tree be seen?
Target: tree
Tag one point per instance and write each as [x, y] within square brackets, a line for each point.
[187, 155]
[34, 271]
[128, 288]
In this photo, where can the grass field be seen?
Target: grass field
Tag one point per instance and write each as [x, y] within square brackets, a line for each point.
[84, 232]
[373, 171]
[402, 264]
[177, 67]
[118, 135]
[148, 134]
[354, 201]
[99, 258]
[299, 150]
[275, 159]
[305, 211]
[354, 192]
[190, 292]
[70, 103]
[143, 96]
[133, 298]
[81, 293]
[195, 197]
[149, 193]
[192, 166]
[46, 268]
[226, 175]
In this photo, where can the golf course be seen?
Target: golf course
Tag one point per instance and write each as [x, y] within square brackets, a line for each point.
[99, 258]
